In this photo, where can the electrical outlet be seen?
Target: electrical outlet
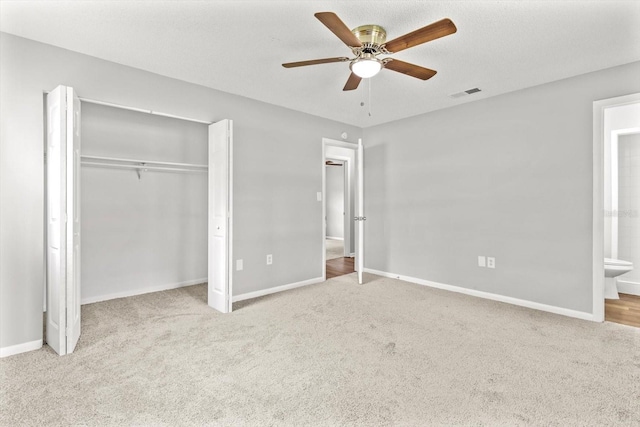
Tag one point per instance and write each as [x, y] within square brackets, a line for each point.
[239, 265]
[482, 261]
[491, 262]
[319, 196]
[269, 259]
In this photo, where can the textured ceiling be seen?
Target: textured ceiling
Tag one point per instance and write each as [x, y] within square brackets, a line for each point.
[238, 46]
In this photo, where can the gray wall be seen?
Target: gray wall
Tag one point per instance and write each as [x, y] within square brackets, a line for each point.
[141, 234]
[278, 170]
[508, 177]
[335, 201]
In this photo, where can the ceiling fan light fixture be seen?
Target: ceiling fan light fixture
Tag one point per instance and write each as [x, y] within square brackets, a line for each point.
[368, 41]
[366, 66]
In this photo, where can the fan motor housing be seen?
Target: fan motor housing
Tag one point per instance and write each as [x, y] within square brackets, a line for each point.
[373, 34]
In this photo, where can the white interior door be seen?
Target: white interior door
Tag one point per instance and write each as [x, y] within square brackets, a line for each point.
[56, 229]
[63, 220]
[73, 222]
[220, 215]
[360, 218]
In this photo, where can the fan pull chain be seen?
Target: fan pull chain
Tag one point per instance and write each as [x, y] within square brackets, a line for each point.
[369, 97]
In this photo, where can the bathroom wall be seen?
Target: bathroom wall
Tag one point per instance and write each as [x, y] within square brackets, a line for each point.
[629, 210]
[335, 201]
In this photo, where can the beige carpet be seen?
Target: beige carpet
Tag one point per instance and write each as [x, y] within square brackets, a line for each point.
[336, 353]
[334, 248]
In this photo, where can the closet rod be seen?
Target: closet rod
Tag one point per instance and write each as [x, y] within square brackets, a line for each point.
[138, 161]
[142, 110]
[141, 167]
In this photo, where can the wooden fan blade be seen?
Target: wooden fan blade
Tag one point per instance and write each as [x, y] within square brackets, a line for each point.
[434, 31]
[337, 27]
[314, 62]
[353, 82]
[410, 69]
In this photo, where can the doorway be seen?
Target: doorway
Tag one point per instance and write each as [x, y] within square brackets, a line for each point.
[608, 127]
[340, 206]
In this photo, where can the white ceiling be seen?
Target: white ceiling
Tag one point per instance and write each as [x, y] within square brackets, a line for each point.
[238, 46]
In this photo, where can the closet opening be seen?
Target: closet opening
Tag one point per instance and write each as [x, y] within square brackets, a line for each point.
[146, 201]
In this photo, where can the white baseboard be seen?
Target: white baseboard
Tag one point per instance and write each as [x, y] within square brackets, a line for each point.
[335, 238]
[20, 348]
[487, 295]
[627, 287]
[263, 292]
[134, 292]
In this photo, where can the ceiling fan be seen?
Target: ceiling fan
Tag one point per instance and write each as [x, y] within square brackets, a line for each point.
[367, 42]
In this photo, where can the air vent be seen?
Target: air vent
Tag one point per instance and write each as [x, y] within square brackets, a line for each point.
[464, 93]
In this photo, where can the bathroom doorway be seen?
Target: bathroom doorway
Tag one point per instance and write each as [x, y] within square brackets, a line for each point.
[616, 210]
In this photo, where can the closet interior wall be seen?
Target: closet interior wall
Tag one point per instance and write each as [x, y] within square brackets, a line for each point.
[141, 233]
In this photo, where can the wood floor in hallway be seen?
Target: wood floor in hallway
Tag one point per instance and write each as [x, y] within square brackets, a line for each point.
[339, 266]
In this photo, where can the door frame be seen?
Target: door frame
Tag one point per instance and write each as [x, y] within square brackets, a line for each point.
[597, 248]
[351, 172]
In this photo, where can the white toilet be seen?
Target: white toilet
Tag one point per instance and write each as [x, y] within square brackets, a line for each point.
[612, 269]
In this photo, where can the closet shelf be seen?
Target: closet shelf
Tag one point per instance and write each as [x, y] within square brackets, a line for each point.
[114, 160]
[141, 165]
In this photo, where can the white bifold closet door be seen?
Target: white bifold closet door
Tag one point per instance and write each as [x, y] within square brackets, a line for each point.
[63, 220]
[220, 215]
[360, 218]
